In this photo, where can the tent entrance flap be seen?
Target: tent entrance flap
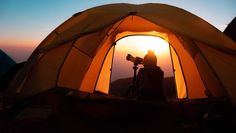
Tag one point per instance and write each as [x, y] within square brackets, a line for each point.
[103, 81]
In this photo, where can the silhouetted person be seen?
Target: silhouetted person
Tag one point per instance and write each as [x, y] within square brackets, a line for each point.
[150, 79]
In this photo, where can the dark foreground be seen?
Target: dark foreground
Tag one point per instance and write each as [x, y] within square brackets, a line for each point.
[61, 111]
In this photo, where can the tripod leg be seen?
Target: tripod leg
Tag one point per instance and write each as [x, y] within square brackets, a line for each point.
[128, 93]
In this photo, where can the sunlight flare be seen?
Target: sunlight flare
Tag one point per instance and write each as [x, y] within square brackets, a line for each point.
[156, 44]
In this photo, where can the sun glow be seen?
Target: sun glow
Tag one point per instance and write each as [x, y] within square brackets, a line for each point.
[146, 43]
[141, 44]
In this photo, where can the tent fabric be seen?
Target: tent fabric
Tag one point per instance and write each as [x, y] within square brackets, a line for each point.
[42, 77]
[193, 81]
[104, 76]
[179, 78]
[223, 65]
[78, 54]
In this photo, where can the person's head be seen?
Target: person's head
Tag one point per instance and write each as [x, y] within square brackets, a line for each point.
[150, 59]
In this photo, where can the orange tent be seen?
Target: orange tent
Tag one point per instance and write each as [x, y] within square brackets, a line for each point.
[78, 53]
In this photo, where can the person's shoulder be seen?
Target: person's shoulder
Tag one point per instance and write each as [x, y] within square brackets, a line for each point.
[159, 68]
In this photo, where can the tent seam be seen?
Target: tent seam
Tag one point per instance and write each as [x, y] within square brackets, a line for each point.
[86, 33]
[82, 51]
[60, 68]
[214, 72]
[115, 29]
[180, 63]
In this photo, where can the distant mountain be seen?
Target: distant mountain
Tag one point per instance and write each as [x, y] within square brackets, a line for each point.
[6, 78]
[230, 30]
[121, 87]
[6, 62]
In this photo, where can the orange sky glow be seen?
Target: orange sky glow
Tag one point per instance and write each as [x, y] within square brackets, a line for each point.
[18, 49]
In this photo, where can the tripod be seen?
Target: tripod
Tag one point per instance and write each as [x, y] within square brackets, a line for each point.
[132, 92]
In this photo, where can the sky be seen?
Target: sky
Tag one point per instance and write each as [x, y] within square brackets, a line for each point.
[25, 23]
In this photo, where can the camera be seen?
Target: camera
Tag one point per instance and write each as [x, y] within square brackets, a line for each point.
[135, 60]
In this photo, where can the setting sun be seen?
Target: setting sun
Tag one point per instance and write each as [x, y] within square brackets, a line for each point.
[146, 43]
[142, 44]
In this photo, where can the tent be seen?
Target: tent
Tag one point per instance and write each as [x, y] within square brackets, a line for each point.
[78, 54]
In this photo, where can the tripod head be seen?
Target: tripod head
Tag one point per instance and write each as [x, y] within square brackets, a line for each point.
[135, 60]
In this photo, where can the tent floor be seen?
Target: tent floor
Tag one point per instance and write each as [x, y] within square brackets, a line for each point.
[61, 112]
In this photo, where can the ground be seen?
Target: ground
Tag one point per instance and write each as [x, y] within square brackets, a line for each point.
[82, 112]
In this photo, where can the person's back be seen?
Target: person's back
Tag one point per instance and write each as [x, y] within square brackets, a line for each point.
[150, 79]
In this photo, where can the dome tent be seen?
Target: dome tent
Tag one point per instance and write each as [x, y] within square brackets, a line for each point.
[78, 53]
